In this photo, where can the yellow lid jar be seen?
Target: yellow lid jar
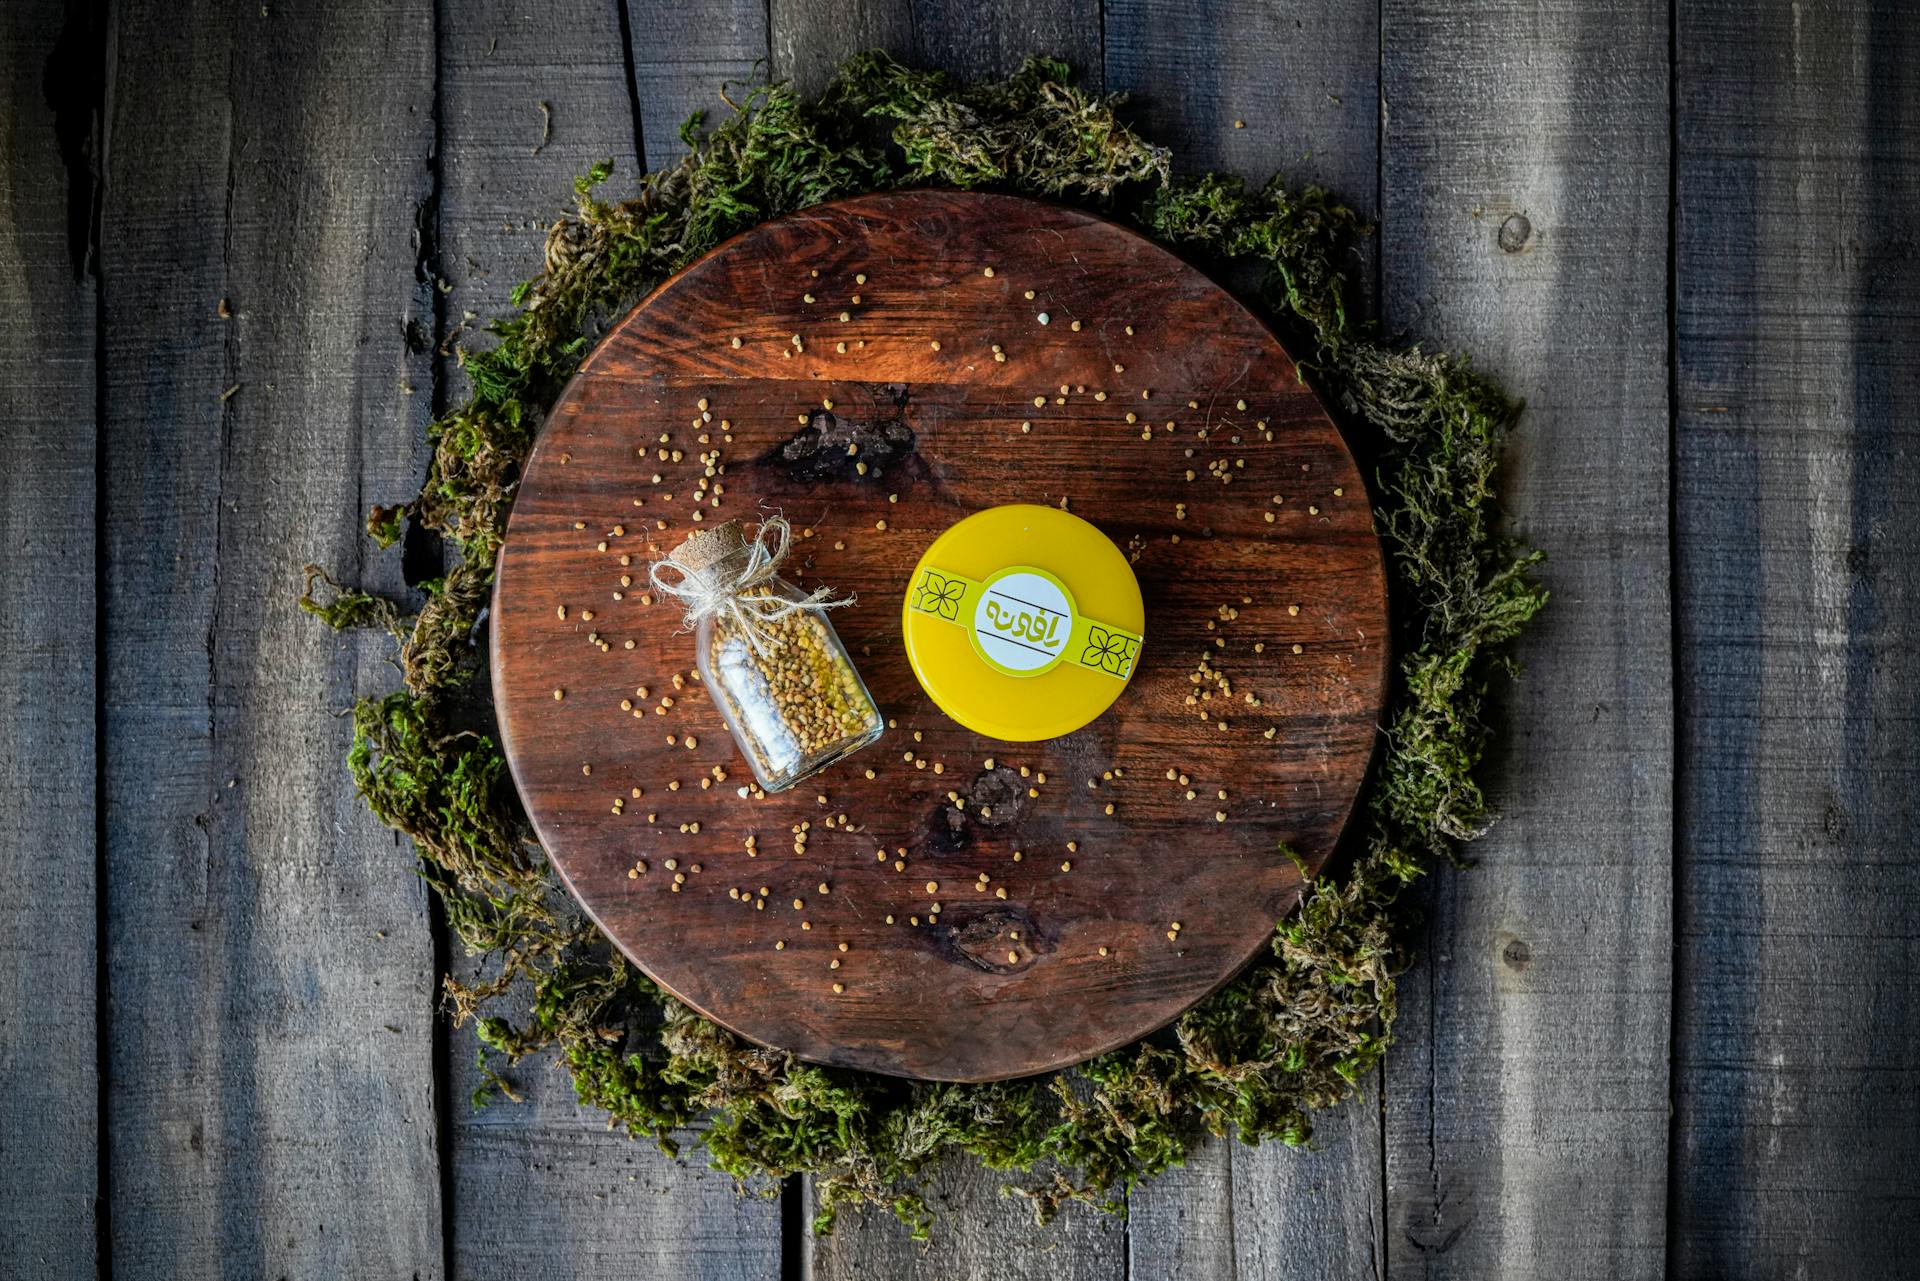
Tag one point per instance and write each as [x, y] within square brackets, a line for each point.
[1023, 622]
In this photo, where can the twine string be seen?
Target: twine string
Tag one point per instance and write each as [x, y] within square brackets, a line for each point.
[710, 592]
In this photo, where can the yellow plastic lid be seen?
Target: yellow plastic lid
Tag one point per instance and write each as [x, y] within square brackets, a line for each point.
[1023, 622]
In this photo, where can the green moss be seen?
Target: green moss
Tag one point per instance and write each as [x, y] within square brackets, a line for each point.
[1300, 1027]
[344, 607]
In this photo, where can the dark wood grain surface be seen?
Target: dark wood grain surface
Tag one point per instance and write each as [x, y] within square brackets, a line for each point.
[49, 793]
[270, 971]
[1303, 80]
[1716, 273]
[1545, 259]
[529, 97]
[1797, 592]
[1091, 851]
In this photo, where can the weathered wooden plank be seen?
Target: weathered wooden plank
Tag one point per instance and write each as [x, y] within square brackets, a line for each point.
[49, 1083]
[269, 965]
[684, 51]
[1797, 1020]
[542, 1188]
[979, 1233]
[1270, 1211]
[1255, 90]
[1302, 82]
[529, 99]
[970, 41]
[1524, 178]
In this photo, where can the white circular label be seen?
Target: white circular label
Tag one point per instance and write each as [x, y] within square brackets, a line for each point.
[1022, 622]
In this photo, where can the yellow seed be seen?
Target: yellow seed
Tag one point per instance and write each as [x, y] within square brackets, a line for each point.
[559, 694]
[933, 887]
[1066, 865]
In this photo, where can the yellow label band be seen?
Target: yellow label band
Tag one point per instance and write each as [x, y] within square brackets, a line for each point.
[1022, 621]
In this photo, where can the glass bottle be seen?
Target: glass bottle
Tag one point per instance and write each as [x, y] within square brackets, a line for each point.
[783, 682]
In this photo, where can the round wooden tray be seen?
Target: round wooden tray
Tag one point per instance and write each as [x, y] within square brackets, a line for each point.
[1262, 675]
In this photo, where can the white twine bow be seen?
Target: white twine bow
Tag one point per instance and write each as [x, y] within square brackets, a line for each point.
[712, 593]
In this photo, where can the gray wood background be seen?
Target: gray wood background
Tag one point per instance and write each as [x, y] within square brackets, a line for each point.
[1670, 1024]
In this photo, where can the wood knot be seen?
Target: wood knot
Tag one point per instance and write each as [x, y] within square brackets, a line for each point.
[849, 443]
[949, 831]
[999, 939]
[998, 797]
[1515, 233]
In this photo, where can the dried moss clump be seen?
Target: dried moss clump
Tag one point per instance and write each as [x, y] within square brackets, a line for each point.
[1293, 1033]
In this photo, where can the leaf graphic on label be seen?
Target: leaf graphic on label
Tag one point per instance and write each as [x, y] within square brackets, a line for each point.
[938, 594]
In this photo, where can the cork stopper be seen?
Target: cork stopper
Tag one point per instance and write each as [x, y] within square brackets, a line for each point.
[708, 547]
